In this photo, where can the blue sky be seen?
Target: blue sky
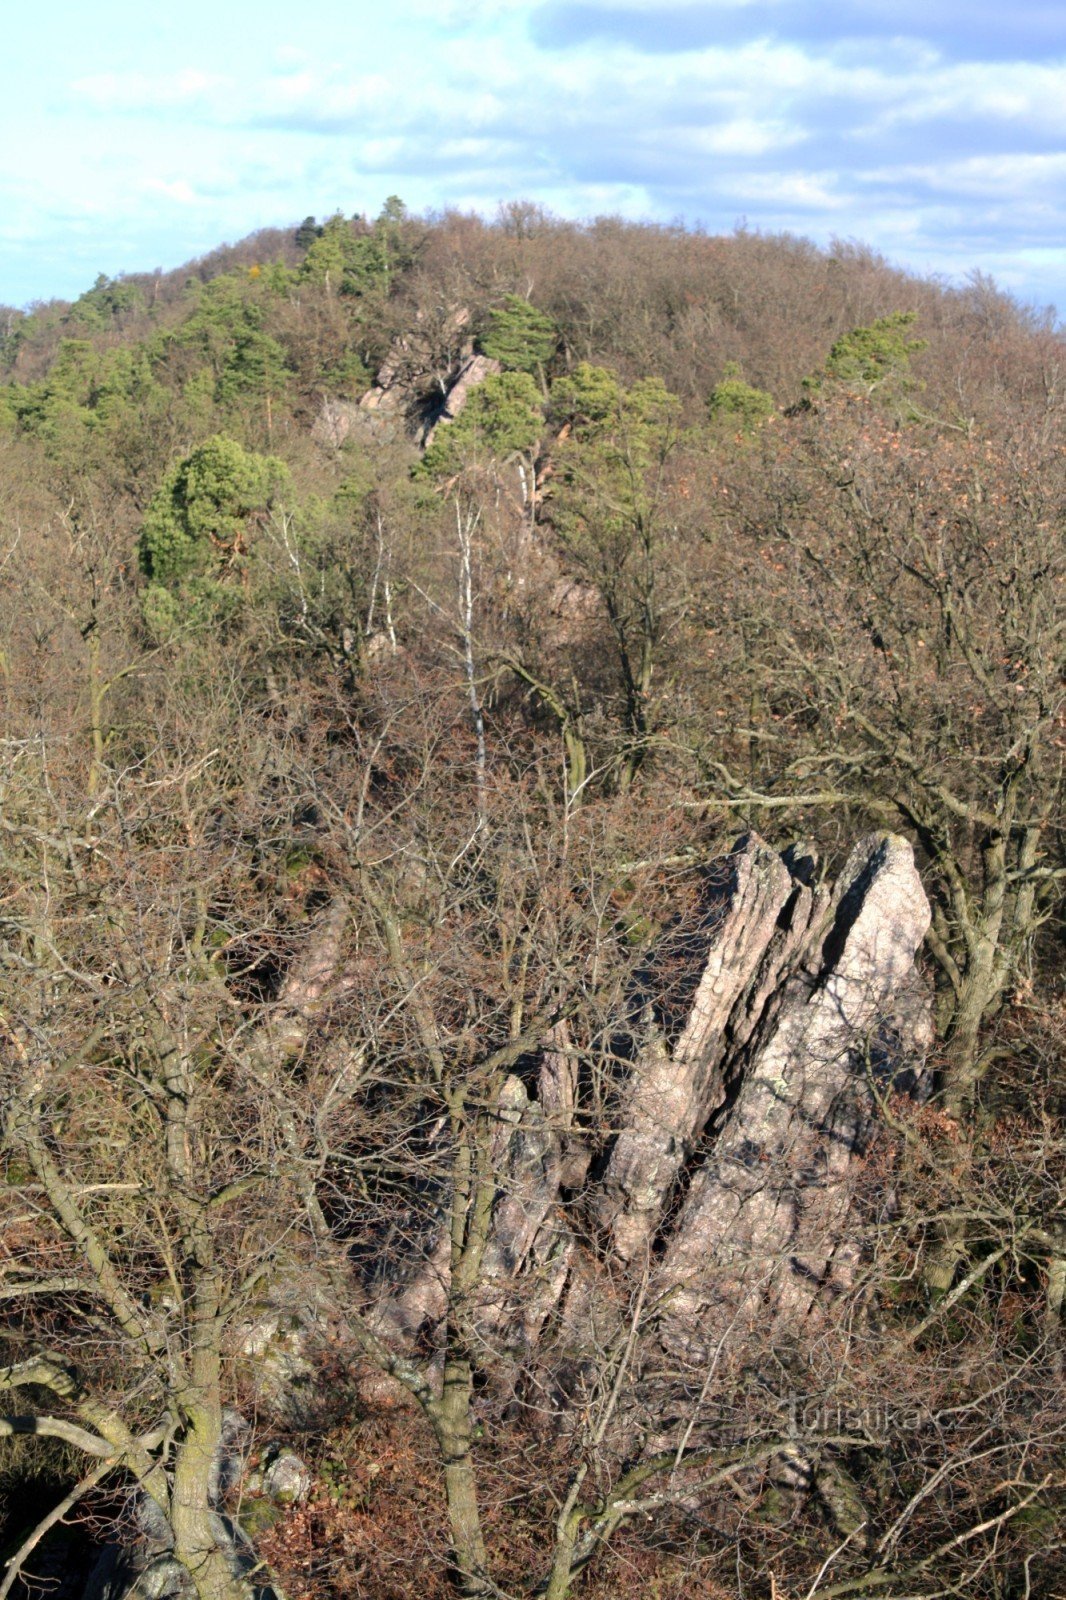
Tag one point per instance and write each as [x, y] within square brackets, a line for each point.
[136, 136]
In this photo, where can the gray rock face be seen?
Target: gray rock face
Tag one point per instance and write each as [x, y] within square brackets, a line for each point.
[761, 1230]
[474, 370]
[732, 1176]
[675, 1091]
[287, 1479]
[433, 348]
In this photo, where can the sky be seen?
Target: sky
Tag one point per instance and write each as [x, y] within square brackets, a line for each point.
[137, 136]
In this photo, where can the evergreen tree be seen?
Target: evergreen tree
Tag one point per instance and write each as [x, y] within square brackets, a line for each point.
[199, 520]
[307, 233]
[503, 418]
[519, 337]
[867, 358]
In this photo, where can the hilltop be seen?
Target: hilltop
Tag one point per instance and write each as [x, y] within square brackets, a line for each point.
[531, 1010]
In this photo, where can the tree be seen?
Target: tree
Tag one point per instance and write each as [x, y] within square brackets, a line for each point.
[197, 533]
[228, 332]
[351, 259]
[200, 517]
[903, 588]
[137, 1131]
[610, 509]
[107, 300]
[387, 1010]
[306, 234]
[875, 357]
[502, 419]
[520, 338]
[737, 405]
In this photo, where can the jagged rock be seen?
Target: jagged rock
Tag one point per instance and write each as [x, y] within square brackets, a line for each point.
[526, 1157]
[732, 1178]
[675, 1091]
[275, 1347]
[571, 606]
[474, 370]
[528, 1166]
[314, 977]
[409, 1310]
[387, 393]
[522, 1241]
[417, 353]
[765, 1217]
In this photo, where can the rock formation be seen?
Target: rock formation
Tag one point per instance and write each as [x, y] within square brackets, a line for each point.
[474, 370]
[730, 1178]
[763, 1230]
[434, 352]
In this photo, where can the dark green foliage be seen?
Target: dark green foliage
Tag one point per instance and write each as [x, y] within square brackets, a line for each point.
[227, 332]
[737, 405]
[348, 377]
[59, 411]
[349, 258]
[502, 418]
[345, 261]
[96, 406]
[519, 337]
[200, 518]
[868, 357]
[255, 367]
[108, 299]
[586, 399]
[307, 233]
[610, 464]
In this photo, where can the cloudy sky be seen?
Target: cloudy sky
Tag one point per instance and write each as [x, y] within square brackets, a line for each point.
[138, 135]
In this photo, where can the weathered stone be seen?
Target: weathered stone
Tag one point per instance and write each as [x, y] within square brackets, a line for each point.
[675, 1091]
[557, 1095]
[287, 1479]
[765, 1216]
[416, 356]
[732, 1180]
[474, 371]
[521, 1241]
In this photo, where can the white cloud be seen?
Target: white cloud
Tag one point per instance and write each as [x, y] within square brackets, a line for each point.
[804, 191]
[1010, 92]
[179, 189]
[1006, 176]
[737, 136]
[457, 103]
[136, 91]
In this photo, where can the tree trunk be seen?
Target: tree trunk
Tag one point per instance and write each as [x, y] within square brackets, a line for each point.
[454, 1430]
[202, 1541]
[196, 1526]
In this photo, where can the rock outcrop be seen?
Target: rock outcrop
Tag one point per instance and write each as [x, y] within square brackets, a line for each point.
[675, 1091]
[763, 1230]
[731, 1177]
[432, 354]
[474, 370]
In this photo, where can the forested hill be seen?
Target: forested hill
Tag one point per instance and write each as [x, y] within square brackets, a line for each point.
[296, 315]
[531, 886]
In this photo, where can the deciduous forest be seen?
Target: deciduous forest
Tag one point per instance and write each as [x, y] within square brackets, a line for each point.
[531, 894]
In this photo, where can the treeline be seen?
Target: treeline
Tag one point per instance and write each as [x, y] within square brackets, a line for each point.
[401, 619]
